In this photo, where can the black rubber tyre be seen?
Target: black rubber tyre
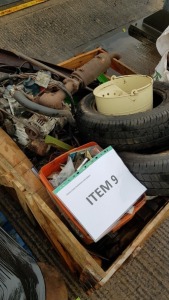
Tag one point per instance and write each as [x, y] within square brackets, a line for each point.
[151, 170]
[129, 132]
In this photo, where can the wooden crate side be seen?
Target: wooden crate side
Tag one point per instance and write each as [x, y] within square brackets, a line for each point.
[79, 60]
[7, 168]
[71, 251]
[21, 195]
[121, 68]
[138, 242]
[10, 178]
[16, 173]
[14, 162]
[10, 150]
[46, 227]
[61, 233]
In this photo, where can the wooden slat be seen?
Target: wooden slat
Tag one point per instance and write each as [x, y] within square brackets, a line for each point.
[121, 68]
[6, 179]
[20, 191]
[65, 237]
[14, 161]
[10, 151]
[79, 60]
[46, 227]
[138, 241]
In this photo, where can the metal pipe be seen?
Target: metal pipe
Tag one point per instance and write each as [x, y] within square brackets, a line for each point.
[93, 68]
[40, 109]
[38, 64]
[8, 76]
[55, 100]
[80, 77]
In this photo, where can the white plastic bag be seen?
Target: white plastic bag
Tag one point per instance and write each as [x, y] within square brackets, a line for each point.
[162, 45]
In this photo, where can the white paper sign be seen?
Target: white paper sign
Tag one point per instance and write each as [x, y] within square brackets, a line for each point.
[101, 193]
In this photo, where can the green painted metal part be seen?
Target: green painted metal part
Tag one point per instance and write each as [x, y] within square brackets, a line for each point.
[57, 143]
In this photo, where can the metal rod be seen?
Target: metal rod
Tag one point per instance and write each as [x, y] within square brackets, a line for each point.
[38, 64]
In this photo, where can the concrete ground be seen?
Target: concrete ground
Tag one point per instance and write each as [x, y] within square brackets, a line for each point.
[54, 31]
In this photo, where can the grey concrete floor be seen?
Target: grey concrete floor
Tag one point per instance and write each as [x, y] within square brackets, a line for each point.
[54, 31]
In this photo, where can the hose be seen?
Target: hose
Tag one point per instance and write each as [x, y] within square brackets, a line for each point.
[61, 86]
[24, 101]
[5, 77]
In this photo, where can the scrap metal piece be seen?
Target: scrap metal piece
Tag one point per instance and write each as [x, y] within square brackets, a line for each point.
[39, 147]
[41, 109]
[49, 140]
[93, 68]
[33, 132]
[43, 124]
[88, 155]
[39, 64]
[79, 78]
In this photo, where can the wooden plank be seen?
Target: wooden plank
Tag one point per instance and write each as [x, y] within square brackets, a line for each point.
[9, 178]
[9, 169]
[14, 161]
[79, 60]
[15, 172]
[12, 179]
[46, 198]
[66, 238]
[46, 227]
[20, 191]
[10, 151]
[138, 241]
[6, 179]
[121, 68]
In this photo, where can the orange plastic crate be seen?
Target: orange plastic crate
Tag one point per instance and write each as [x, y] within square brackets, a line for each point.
[54, 166]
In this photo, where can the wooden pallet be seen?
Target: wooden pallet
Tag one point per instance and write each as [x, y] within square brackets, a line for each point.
[16, 172]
